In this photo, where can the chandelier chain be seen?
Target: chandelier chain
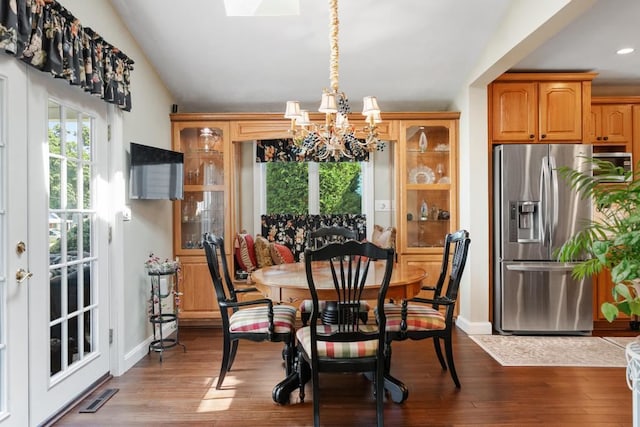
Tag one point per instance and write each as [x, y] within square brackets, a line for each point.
[333, 39]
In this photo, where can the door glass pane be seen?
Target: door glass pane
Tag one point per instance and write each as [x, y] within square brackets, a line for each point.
[71, 233]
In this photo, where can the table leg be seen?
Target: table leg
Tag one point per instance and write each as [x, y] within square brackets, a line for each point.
[396, 388]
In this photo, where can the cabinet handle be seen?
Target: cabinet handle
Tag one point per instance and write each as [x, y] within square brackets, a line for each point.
[599, 138]
[543, 136]
[606, 138]
[532, 136]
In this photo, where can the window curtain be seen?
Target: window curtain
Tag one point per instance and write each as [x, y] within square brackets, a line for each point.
[284, 150]
[292, 230]
[46, 36]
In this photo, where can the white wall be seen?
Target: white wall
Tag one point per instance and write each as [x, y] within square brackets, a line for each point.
[526, 26]
[150, 229]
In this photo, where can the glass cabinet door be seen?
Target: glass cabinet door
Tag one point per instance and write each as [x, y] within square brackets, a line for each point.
[427, 181]
[202, 209]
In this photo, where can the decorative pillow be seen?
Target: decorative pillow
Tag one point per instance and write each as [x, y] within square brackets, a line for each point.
[280, 254]
[384, 238]
[263, 253]
[245, 252]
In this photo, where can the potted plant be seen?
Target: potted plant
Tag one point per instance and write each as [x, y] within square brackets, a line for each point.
[611, 239]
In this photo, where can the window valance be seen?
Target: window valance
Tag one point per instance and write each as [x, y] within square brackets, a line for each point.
[284, 150]
[46, 36]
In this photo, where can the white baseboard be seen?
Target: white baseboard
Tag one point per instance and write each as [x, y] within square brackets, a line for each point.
[474, 328]
[142, 349]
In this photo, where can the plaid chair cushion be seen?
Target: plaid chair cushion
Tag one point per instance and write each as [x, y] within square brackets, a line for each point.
[307, 305]
[419, 318]
[256, 319]
[338, 350]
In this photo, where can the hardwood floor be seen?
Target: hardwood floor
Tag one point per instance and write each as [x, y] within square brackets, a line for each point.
[180, 391]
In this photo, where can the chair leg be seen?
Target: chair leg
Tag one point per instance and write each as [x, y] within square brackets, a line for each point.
[289, 352]
[316, 397]
[437, 347]
[226, 344]
[304, 372]
[379, 385]
[232, 356]
[305, 318]
[448, 348]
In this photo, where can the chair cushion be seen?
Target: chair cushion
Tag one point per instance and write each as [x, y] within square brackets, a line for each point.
[256, 319]
[307, 305]
[419, 318]
[338, 350]
[263, 254]
[280, 254]
[245, 252]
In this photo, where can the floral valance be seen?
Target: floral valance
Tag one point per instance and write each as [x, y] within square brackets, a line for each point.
[46, 36]
[291, 230]
[284, 150]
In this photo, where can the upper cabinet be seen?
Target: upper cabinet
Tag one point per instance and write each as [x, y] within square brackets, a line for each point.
[540, 107]
[611, 122]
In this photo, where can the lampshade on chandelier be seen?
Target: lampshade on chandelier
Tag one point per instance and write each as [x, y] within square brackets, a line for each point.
[335, 137]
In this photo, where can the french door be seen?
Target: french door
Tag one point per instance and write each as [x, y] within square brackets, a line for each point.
[63, 223]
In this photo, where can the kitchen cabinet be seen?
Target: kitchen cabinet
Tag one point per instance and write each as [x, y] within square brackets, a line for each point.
[427, 187]
[539, 107]
[610, 123]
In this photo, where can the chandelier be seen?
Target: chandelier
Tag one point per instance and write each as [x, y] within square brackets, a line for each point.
[335, 137]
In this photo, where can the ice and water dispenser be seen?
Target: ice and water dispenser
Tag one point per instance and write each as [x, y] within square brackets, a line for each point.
[524, 221]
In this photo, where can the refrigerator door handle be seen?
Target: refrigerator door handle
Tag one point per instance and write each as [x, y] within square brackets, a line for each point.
[544, 193]
[554, 196]
[541, 267]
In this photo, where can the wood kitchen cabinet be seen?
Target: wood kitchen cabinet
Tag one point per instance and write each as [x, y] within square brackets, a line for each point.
[610, 123]
[539, 107]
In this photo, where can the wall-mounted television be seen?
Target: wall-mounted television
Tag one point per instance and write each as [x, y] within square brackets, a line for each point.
[155, 173]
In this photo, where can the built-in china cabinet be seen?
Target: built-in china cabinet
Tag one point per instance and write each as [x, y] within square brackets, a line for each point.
[425, 168]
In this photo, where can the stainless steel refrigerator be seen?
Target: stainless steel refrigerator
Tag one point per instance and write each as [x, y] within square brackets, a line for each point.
[535, 212]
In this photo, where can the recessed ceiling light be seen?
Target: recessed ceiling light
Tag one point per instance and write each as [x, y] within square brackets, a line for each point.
[262, 7]
[625, 51]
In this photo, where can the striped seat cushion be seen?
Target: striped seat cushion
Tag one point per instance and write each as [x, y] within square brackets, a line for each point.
[419, 318]
[256, 319]
[338, 350]
[307, 305]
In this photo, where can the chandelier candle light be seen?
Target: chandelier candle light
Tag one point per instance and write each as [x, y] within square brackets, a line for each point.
[336, 137]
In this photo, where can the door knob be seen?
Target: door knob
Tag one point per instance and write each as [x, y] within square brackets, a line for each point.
[22, 275]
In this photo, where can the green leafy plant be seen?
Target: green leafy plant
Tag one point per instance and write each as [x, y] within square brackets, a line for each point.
[611, 240]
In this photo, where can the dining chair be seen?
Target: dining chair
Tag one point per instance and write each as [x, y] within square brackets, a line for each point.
[254, 320]
[316, 239]
[348, 345]
[421, 318]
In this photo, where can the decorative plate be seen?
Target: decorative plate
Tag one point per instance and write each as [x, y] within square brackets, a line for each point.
[442, 147]
[444, 180]
[421, 175]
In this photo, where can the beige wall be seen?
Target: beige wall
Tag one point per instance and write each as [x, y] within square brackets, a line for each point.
[150, 229]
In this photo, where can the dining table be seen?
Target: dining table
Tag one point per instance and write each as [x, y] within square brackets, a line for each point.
[287, 283]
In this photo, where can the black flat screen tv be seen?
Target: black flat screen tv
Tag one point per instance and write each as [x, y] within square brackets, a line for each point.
[155, 173]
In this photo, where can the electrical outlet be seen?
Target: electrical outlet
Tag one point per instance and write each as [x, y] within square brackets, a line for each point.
[382, 205]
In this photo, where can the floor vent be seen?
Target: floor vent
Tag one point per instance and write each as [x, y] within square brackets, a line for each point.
[96, 403]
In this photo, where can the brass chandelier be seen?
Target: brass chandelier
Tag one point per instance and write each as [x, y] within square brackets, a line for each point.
[336, 136]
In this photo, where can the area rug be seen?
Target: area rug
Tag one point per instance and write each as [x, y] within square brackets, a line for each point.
[515, 350]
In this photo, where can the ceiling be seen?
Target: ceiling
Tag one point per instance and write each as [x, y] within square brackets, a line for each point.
[414, 55]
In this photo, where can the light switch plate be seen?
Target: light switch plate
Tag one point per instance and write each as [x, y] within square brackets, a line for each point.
[382, 205]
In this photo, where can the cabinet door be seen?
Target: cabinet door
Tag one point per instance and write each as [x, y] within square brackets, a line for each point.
[594, 126]
[514, 111]
[428, 174]
[198, 300]
[560, 111]
[616, 124]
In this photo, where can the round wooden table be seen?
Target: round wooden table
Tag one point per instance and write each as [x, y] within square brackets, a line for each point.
[287, 283]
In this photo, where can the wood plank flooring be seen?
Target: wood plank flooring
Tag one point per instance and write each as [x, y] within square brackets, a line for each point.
[181, 391]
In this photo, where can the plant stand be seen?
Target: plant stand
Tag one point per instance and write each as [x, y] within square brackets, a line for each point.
[633, 377]
[157, 317]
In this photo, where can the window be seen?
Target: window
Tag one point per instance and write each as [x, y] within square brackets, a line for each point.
[314, 188]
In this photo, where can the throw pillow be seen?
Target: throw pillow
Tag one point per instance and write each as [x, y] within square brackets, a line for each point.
[263, 253]
[384, 238]
[280, 254]
[245, 252]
